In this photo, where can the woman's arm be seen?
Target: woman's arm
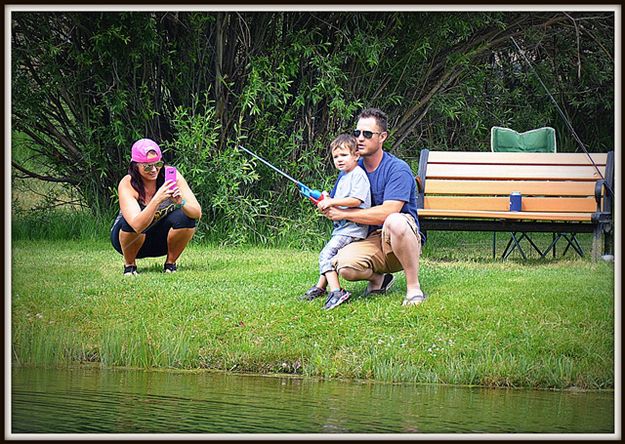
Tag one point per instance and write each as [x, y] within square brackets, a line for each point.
[139, 219]
[191, 207]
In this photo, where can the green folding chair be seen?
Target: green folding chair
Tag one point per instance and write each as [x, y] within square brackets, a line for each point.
[541, 140]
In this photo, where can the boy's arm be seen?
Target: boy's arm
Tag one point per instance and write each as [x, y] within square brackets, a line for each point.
[359, 193]
[345, 202]
[396, 194]
[369, 216]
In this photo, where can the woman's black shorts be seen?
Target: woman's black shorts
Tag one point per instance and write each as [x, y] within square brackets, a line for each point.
[156, 236]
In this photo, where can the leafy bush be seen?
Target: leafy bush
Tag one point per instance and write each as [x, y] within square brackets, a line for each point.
[284, 84]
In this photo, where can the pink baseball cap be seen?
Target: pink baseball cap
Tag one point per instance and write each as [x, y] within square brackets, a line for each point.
[141, 148]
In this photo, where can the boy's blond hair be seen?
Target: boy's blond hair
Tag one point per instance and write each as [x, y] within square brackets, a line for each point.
[345, 141]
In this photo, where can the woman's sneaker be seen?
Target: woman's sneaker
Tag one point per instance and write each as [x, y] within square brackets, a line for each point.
[169, 268]
[130, 270]
[336, 298]
[312, 293]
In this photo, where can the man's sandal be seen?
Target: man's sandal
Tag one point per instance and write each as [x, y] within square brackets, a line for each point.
[387, 283]
[415, 299]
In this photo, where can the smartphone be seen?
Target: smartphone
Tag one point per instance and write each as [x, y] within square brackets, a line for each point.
[170, 174]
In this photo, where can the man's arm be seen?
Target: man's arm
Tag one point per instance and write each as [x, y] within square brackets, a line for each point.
[366, 216]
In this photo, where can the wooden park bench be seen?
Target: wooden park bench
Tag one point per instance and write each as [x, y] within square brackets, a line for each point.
[562, 193]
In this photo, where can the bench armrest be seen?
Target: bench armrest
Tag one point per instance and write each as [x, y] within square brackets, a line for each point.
[420, 188]
[599, 185]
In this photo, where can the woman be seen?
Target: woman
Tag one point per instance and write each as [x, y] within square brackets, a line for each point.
[154, 220]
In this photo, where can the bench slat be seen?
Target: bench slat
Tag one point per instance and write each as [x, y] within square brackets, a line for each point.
[531, 204]
[543, 172]
[523, 215]
[493, 187]
[516, 158]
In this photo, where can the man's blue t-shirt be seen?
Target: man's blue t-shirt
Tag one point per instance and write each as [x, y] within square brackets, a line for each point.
[393, 180]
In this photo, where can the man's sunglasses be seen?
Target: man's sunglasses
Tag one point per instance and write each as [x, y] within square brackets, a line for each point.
[367, 134]
[147, 167]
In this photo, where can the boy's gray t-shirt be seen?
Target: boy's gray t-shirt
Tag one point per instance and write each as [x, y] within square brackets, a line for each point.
[352, 184]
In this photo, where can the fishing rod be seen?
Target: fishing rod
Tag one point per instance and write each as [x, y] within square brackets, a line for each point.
[566, 120]
[314, 195]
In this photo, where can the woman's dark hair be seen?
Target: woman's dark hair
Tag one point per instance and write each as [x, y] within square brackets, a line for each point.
[137, 182]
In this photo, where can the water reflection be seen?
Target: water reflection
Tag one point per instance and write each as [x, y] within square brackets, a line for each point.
[117, 401]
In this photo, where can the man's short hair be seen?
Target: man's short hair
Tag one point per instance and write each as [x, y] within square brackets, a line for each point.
[345, 141]
[377, 114]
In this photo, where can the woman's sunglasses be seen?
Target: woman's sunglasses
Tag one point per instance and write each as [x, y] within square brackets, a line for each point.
[147, 167]
[367, 134]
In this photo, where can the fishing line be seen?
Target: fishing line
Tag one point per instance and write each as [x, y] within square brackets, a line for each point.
[566, 120]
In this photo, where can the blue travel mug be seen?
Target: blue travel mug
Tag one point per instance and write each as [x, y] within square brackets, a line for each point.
[515, 201]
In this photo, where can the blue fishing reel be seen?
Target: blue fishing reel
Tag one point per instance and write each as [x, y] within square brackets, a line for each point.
[314, 195]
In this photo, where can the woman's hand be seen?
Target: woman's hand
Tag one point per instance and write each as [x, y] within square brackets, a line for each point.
[176, 195]
[182, 192]
[164, 192]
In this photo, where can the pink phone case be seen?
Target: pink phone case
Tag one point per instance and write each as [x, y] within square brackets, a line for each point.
[170, 174]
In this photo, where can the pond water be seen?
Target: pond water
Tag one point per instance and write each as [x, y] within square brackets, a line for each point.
[90, 400]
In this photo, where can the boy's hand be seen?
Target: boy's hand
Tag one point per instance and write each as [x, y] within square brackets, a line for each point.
[326, 202]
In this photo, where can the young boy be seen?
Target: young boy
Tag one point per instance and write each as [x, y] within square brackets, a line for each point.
[351, 190]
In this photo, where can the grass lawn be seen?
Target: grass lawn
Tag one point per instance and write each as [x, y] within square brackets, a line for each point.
[546, 324]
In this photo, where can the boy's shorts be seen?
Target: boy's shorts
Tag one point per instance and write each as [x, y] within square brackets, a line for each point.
[374, 252]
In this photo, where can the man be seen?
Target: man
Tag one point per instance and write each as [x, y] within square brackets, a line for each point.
[394, 240]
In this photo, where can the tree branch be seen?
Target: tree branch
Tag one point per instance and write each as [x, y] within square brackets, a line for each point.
[41, 177]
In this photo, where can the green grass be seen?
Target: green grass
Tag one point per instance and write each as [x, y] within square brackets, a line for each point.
[543, 324]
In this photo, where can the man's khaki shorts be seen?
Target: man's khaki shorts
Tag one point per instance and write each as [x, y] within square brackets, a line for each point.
[374, 252]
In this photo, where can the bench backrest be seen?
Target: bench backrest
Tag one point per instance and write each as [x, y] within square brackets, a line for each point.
[483, 181]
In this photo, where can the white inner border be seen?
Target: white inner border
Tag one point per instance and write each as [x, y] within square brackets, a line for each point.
[9, 9]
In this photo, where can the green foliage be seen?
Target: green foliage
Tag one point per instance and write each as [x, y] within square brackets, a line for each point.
[86, 85]
[52, 223]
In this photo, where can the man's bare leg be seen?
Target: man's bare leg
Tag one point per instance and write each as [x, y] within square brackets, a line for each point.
[351, 274]
[407, 248]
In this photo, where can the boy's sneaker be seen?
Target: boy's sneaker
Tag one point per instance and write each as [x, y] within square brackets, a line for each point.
[312, 293]
[336, 298]
[130, 270]
[169, 268]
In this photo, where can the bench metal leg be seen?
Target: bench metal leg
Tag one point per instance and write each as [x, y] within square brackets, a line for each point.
[516, 245]
[596, 241]
[505, 253]
[524, 235]
[553, 244]
[494, 244]
[571, 242]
